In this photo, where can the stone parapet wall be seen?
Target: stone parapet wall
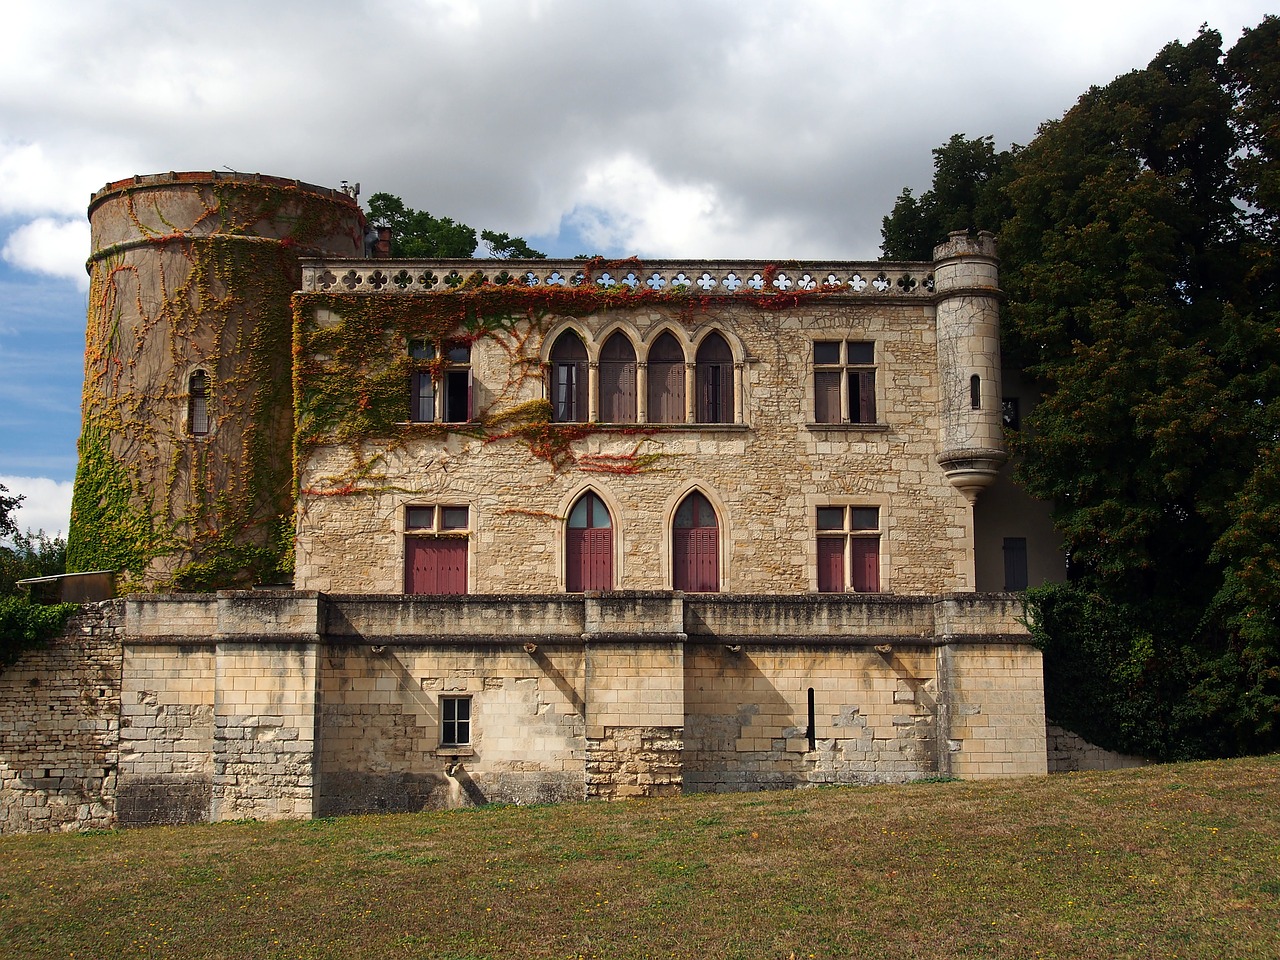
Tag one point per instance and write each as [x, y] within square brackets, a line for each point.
[166, 733]
[748, 724]
[380, 745]
[597, 696]
[992, 724]
[876, 280]
[60, 728]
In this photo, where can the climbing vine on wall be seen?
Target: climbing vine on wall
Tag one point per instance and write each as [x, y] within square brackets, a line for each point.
[194, 512]
[352, 369]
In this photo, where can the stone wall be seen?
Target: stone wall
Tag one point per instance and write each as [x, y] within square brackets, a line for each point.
[60, 729]
[748, 727]
[1069, 752]
[380, 746]
[292, 704]
[765, 475]
[166, 734]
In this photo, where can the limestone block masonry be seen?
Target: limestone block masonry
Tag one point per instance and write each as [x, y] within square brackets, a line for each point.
[166, 709]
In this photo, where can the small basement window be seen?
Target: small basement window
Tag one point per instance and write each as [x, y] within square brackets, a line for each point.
[455, 721]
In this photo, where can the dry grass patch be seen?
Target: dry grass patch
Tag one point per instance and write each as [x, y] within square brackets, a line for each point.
[1172, 861]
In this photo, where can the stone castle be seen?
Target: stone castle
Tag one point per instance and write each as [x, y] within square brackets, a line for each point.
[556, 529]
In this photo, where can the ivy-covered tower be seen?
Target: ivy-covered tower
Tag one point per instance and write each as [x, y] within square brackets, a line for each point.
[185, 472]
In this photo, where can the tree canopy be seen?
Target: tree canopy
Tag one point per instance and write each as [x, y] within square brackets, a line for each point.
[967, 194]
[416, 233]
[1137, 236]
[7, 505]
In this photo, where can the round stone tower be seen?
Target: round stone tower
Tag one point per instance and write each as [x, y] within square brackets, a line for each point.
[966, 282]
[185, 471]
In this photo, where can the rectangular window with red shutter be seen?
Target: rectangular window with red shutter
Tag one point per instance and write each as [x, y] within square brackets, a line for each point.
[848, 549]
[435, 549]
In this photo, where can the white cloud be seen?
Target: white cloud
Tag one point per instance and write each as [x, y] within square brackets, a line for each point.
[47, 504]
[627, 206]
[55, 247]
[58, 179]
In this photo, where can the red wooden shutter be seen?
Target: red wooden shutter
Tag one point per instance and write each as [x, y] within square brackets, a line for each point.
[435, 565]
[697, 559]
[831, 564]
[866, 564]
[589, 559]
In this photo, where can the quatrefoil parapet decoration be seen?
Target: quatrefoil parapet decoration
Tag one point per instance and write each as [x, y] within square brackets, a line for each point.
[703, 278]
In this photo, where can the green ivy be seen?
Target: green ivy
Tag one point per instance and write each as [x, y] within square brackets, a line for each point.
[25, 625]
[107, 531]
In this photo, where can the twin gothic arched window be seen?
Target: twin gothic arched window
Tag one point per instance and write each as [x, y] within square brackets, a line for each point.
[619, 390]
[695, 546]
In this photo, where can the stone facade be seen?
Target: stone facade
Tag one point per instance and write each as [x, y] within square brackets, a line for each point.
[561, 529]
[766, 469]
[295, 704]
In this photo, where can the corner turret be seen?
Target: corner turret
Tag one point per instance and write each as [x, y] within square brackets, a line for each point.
[967, 287]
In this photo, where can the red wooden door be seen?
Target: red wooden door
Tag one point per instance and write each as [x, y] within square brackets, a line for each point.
[589, 546]
[435, 565]
[695, 546]
[590, 560]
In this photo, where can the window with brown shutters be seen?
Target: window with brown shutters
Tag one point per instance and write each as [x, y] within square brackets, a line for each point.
[589, 546]
[848, 549]
[844, 381]
[666, 381]
[618, 380]
[713, 375]
[568, 379]
[435, 549]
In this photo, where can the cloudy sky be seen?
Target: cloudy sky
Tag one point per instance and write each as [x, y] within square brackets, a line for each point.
[741, 128]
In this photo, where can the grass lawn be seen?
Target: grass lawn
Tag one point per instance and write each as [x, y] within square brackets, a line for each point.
[1171, 861]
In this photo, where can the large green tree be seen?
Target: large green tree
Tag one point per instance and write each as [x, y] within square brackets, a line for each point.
[967, 194]
[1138, 237]
[416, 233]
